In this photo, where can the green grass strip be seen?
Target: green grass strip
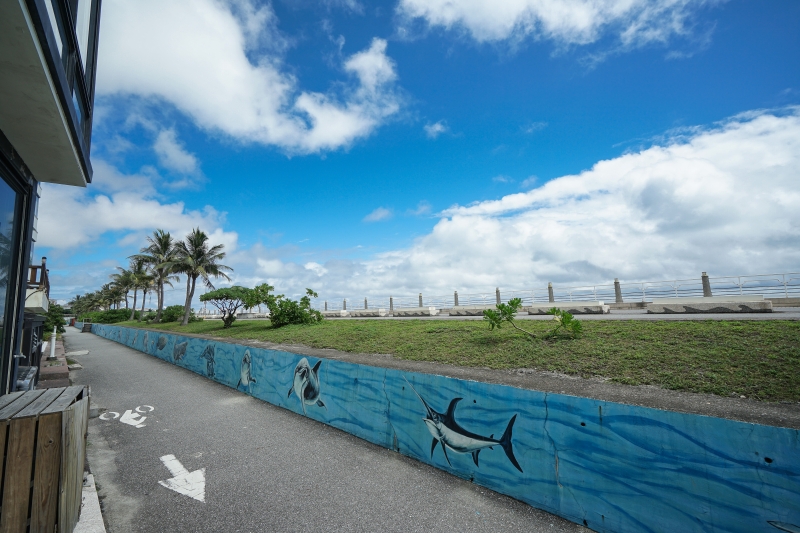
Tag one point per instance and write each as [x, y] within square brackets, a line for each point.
[758, 359]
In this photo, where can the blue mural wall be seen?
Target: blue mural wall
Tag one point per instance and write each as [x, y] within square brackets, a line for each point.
[609, 466]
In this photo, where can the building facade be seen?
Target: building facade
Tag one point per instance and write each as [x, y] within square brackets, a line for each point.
[48, 60]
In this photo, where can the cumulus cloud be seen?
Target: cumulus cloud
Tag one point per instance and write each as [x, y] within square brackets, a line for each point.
[70, 217]
[435, 129]
[724, 200]
[576, 22]
[381, 213]
[172, 155]
[220, 64]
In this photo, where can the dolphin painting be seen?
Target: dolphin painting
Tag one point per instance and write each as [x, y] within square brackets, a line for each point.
[306, 384]
[135, 338]
[179, 350]
[208, 355]
[144, 343]
[162, 341]
[447, 432]
[246, 377]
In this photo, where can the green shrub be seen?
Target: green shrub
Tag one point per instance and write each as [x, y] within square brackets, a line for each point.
[283, 311]
[229, 300]
[109, 316]
[174, 313]
[55, 318]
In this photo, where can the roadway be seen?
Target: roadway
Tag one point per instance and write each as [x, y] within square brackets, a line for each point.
[266, 469]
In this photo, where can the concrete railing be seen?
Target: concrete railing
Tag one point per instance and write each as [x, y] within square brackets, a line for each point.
[777, 286]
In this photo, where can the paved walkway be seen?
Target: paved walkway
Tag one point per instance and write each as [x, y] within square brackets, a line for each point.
[266, 469]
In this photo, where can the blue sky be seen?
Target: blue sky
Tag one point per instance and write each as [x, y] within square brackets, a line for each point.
[394, 147]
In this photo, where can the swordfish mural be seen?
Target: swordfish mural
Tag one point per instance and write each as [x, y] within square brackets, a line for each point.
[609, 466]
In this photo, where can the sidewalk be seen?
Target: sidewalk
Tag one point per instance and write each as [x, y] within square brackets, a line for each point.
[53, 373]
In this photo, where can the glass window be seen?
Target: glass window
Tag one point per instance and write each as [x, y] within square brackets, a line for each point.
[8, 204]
[82, 24]
[54, 24]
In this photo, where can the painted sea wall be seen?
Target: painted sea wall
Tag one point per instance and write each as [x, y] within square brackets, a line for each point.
[609, 466]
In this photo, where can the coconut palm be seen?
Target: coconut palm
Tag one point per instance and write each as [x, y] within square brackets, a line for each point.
[197, 259]
[140, 279]
[159, 251]
[124, 281]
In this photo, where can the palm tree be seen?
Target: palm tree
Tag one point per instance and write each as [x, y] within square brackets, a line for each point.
[139, 279]
[196, 259]
[159, 251]
[123, 281]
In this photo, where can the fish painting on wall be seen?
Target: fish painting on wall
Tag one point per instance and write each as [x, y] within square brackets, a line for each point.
[246, 375]
[179, 350]
[305, 384]
[450, 435]
[162, 341]
[208, 355]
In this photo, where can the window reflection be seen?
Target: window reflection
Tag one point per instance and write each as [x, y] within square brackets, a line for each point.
[8, 200]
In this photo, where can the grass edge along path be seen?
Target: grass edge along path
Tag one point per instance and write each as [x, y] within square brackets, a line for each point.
[755, 359]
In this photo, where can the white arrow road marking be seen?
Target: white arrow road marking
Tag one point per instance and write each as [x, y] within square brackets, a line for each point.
[192, 484]
[131, 418]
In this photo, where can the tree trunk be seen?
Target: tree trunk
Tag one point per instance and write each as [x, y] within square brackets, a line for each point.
[189, 295]
[144, 299]
[133, 308]
[160, 301]
[126, 299]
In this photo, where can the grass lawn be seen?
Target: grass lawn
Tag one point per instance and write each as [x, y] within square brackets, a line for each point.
[758, 359]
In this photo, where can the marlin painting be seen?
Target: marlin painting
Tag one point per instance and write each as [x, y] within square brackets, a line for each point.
[179, 350]
[208, 355]
[306, 384]
[162, 341]
[447, 432]
[791, 528]
[246, 378]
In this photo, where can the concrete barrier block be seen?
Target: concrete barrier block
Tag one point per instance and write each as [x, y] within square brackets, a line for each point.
[575, 308]
[416, 311]
[469, 310]
[369, 313]
[335, 314]
[762, 306]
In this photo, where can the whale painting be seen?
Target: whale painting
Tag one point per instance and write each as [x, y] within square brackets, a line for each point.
[306, 384]
[449, 434]
[246, 376]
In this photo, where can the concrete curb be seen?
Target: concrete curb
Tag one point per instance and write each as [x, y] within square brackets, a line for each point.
[91, 520]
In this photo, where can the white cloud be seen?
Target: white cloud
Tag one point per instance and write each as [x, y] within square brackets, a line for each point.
[172, 155]
[219, 63]
[502, 179]
[423, 208]
[381, 213]
[724, 200]
[435, 129]
[528, 182]
[70, 217]
[573, 22]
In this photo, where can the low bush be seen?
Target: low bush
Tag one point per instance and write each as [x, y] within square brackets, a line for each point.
[55, 318]
[283, 311]
[174, 313]
[109, 316]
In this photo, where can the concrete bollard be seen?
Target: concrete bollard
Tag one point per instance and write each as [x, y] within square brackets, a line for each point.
[391, 304]
[455, 298]
[420, 299]
[344, 304]
[550, 297]
[365, 304]
[52, 346]
[617, 291]
[497, 295]
[706, 285]
[326, 305]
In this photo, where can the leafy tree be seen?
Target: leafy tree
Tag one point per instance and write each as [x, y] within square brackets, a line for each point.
[505, 314]
[564, 322]
[55, 318]
[158, 254]
[228, 300]
[197, 259]
[283, 311]
[122, 281]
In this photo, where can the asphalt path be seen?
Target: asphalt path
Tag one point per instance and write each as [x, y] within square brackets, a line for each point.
[266, 469]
